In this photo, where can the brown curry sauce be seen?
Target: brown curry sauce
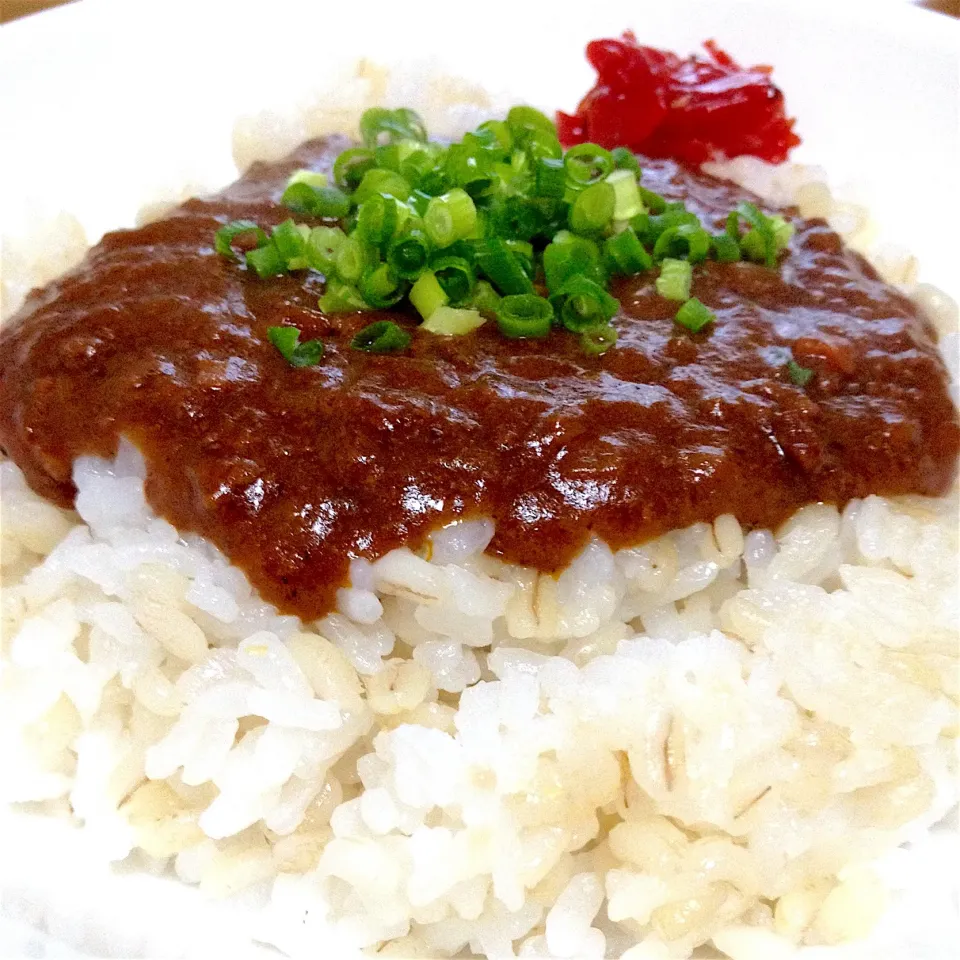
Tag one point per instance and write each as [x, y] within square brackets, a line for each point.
[293, 472]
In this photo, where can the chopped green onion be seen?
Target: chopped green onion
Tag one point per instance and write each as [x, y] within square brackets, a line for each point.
[599, 340]
[659, 223]
[452, 322]
[569, 255]
[525, 123]
[674, 280]
[465, 230]
[624, 159]
[485, 298]
[340, 297]
[626, 194]
[523, 253]
[402, 124]
[760, 243]
[328, 202]
[551, 178]
[224, 238]
[351, 166]
[782, 232]
[495, 136]
[587, 163]
[384, 336]
[297, 354]
[381, 287]
[450, 217]
[427, 295]
[725, 248]
[801, 376]
[503, 268]
[267, 261]
[289, 241]
[524, 315]
[652, 201]
[352, 259]
[409, 252]
[378, 219]
[592, 210]
[312, 178]
[694, 315]
[322, 246]
[626, 253]
[455, 276]
[581, 305]
[382, 181]
[515, 218]
[689, 239]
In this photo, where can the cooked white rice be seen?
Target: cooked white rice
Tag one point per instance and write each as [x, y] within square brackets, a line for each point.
[708, 737]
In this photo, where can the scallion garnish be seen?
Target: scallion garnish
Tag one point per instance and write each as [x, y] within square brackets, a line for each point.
[599, 340]
[384, 336]
[694, 315]
[427, 295]
[226, 236]
[524, 315]
[582, 305]
[450, 217]
[801, 376]
[626, 254]
[456, 277]
[587, 163]
[452, 321]
[674, 280]
[297, 354]
[478, 228]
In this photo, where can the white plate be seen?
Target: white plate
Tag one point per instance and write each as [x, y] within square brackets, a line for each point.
[111, 103]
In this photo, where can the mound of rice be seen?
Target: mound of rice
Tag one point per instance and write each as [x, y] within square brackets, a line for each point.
[705, 738]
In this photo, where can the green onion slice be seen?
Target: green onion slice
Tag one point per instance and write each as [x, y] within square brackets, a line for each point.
[587, 163]
[599, 340]
[409, 251]
[378, 219]
[401, 124]
[322, 246]
[801, 376]
[385, 182]
[581, 305]
[297, 354]
[592, 210]
[450, 217]
[452, 322]
[455, 276]
[340, 297]
[427, 295]
[502, 268]
[624, 159]
[351, 166]
[626, 254]
[224, 238]
[551, 178]
[381, 287]
[569, 255]
[725, 248]
[524, 315]
[384, 336]
[674, 280]
[485, 298]
[694, 315]
[688, 240]
[267, 261]
[626, 195]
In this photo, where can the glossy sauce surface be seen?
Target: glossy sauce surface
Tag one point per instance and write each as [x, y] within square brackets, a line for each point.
[292, 472]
